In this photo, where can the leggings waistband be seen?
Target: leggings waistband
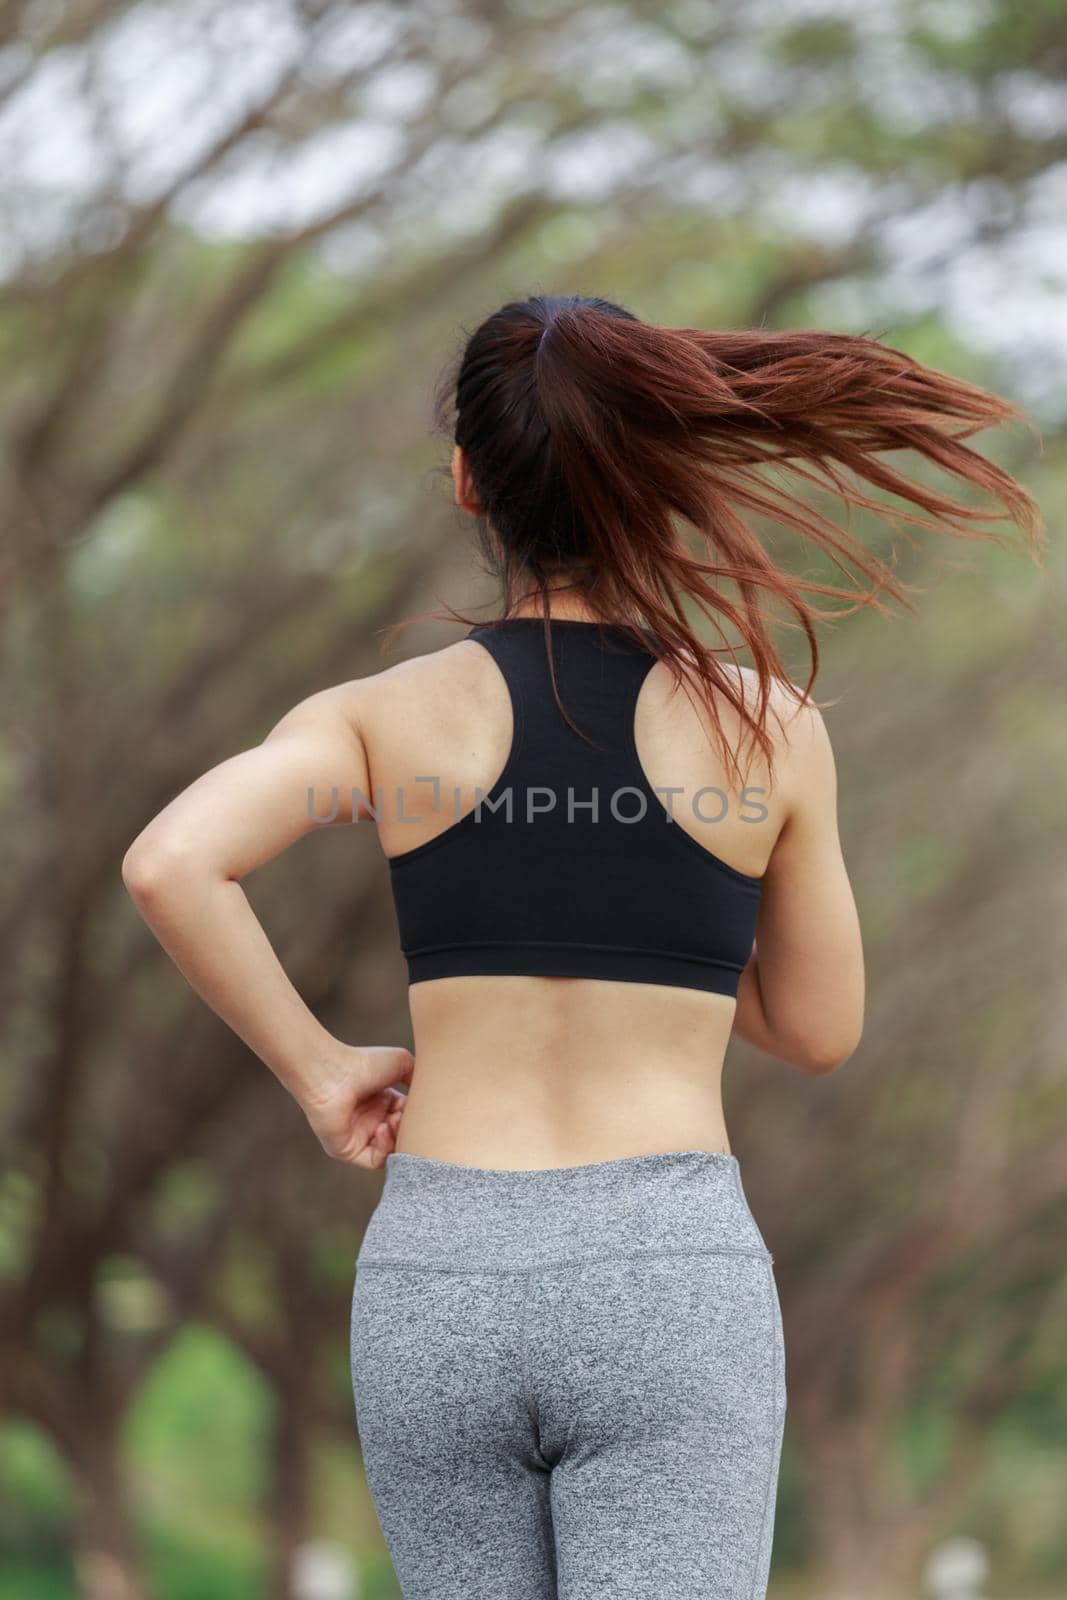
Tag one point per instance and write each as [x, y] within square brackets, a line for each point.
[442, 1215]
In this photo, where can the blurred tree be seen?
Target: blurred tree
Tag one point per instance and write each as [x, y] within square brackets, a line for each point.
[237, 241]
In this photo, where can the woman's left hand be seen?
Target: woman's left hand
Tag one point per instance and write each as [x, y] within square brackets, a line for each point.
[357, 1115]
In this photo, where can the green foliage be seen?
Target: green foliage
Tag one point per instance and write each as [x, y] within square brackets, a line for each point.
[37, 1578]
[36, 1480]
[1004, 35]
[195, 1446]
[36, 1507]
[196, 1438]
[184, 1567]
[821, 42]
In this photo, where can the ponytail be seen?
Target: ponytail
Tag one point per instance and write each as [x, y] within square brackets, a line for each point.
[589, 434]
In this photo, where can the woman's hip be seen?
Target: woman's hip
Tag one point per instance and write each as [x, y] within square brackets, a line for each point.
[434, 1213]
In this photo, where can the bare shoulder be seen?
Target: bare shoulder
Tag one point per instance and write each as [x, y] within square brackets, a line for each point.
[803, 756]
[424, 685]
[793, 724]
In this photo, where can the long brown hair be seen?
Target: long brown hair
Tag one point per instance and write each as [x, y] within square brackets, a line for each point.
[588, 433]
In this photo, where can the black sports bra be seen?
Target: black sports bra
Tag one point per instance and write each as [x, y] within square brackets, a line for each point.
[570, 865]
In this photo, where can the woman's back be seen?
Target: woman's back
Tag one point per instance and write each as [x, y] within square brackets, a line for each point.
[542, 1064]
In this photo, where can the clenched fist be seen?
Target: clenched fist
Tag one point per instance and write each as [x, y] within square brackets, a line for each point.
[356, 1114]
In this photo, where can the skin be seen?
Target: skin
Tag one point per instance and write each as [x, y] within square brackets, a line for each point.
[513, 1072]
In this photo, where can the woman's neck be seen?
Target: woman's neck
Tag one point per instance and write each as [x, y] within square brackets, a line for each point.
[564, 604]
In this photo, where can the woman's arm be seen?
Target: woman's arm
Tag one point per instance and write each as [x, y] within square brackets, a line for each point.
[801, 995]
[183, 871]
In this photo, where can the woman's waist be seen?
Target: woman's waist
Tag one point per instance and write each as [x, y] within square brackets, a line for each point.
[505, 1113]
[505, 1077]
[437, 1214]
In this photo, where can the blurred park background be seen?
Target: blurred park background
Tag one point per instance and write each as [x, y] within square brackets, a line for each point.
[239, 244]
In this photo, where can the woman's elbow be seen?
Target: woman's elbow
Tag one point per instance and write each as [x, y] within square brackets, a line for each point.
[152, 866]
[825, 1054]
[820, 1063]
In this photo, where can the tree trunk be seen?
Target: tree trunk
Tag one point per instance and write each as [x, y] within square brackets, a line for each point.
[869, 1564]
[291, 1508]
[867, 1542]
[106, 1558]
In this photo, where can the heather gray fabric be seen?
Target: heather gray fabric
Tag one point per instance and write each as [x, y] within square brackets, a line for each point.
[569, 1382]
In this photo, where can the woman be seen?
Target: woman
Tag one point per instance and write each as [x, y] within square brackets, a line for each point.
[611, 847]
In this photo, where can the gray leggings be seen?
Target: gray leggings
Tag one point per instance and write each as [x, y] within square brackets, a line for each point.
[569, 1382]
